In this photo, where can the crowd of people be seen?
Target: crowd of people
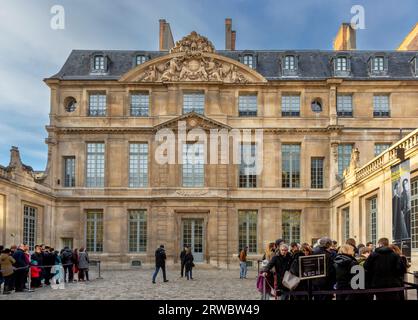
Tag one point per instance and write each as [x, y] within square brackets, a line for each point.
[384, 267]
[22, 270]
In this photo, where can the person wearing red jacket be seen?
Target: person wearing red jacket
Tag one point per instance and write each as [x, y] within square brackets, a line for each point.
[35, 275]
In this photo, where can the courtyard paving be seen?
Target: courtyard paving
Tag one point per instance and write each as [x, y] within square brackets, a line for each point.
[208, 284]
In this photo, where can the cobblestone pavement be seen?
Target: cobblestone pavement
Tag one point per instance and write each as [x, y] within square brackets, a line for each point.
[136, 284]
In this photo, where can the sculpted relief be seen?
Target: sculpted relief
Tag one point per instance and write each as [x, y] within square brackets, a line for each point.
[194, 60]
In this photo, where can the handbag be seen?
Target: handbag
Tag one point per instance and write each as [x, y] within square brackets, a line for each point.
[290, 281]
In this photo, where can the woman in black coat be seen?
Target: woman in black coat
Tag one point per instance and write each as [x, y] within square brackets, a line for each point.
[305, 250]
[188, 263]
[343, 263]
[281, 263]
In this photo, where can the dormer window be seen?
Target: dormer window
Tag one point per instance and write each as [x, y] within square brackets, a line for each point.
[289, 63]
[341, 64]
[379, 64]
[248, 60]
[140, 59]
[99, 63]
[414, 65]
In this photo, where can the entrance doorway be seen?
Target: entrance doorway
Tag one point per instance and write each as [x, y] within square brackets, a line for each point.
[192, 235]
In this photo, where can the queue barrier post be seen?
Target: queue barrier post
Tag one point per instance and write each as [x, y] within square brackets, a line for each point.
[97, 263]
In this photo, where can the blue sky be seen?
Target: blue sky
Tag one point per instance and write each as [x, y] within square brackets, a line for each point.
[31, 51]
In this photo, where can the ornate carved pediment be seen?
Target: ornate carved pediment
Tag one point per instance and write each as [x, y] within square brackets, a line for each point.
[193, 59]
[192, 120]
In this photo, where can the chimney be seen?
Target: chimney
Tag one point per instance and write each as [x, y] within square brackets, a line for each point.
[230, 35]
[346, 38]
[411, 40]
[166, 37]
[233, 39]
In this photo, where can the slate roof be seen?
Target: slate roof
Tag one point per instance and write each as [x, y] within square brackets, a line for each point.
[312, 64]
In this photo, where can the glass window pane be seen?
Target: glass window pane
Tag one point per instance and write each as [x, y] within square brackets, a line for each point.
[193, 165]
[291, 226]
[380, 147]
[290, 165]
[95, 165]
[291, 106]
[344, 105]
[247, 230]
[344, 157]
[138, 165]
[247, 105]
[97, 105]
[140, 105]
[30, 226]
[69, 171]
[137, 230]
[94, 231]
[317, 173]
[248, 169]
[194, 102]
[381, 106]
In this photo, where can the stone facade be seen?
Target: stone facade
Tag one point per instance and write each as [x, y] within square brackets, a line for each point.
[194, 65]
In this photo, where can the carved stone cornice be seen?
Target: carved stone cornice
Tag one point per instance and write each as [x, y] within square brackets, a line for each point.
[191, 193]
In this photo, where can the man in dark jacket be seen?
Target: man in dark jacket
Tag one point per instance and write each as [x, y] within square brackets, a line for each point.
[67, 263]
[160, 258]
[343, 263]
[22, 268]
[281, 263]
[327, 282]
[49, 260]
[182, 255]
[385, 269]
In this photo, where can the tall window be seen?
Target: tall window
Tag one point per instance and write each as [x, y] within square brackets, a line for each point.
[247, 105]
[94, 231]
[193, 165]
[249, 60]
[290, 106]
[99, 63]
[379, 64]
[97, 105]
[95, 165]
[247, 169]
[69, 171]
[291, 165]
[317, 173]
[140, 104]
[345, 224]
[344, 105]
[247, 230]
[414, 213]
[344, 157]
[137, 230]
[29, 226]
[341, 64]
[380, 147]
[381, 106]
[194, 102]
[138, 165]
[289, 62]
[140, 59]
[372, 232]
[291, 226]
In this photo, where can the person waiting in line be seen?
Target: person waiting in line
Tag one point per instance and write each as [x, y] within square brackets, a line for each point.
[405, 263]
[281, 263]
[75, 264]
[22, 267]
[49, 261]
[188, 263]
[294, 247]
[67, 263]
[35, 272]
[360, 245]
[6, 266]
[327, 282]
[364, 254]
[352, 242]
[83, 265]
[182, 255]
[268, 252]
[370, 245]
[343, 263]
[385, 269]
[305, 250]
[243, 263]
[160, 258]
